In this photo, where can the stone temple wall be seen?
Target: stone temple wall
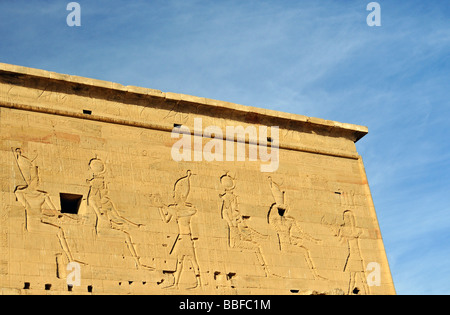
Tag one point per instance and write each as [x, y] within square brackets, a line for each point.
[111, 189]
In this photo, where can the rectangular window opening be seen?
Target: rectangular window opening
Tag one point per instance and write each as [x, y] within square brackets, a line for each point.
[87, 112]
[70, 203]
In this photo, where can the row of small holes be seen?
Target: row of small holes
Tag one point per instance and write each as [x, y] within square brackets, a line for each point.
[89, 112]
[27, 286]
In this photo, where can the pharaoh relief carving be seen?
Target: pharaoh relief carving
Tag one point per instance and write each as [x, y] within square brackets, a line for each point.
[108, 219]
[347, 232]
[40, 212]
[290, 235]
[182, 212]
[240, 235]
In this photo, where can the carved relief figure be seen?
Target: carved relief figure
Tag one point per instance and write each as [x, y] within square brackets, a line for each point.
[290, 235]
[182, 212]
[40, 212]
[240, 236]
[108, 219]
[349, 233]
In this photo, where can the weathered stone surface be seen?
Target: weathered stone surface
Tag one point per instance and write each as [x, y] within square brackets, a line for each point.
[93, 201]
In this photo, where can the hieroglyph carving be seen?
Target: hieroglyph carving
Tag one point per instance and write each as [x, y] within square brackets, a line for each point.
[347, 232]
[346, 198]
[183, 249]
[240, 235]
[39, 208]
[108, 219]
[290, 234]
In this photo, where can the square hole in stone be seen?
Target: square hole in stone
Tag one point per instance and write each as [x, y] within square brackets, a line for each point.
[70, 203]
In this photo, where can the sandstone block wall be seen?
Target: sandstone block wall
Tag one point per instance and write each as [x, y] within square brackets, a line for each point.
[92, 201]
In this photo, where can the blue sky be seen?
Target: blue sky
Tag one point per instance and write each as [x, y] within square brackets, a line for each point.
[317, 58]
